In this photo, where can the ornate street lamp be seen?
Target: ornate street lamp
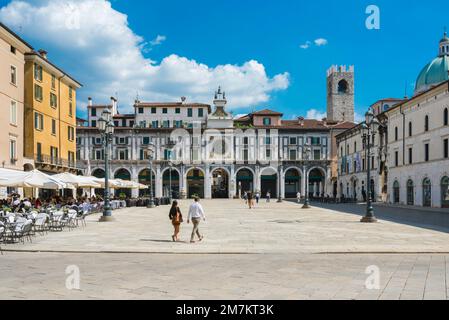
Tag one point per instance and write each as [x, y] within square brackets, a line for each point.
[369, 133]
[106, 127]
[150, 154]
[307, 151]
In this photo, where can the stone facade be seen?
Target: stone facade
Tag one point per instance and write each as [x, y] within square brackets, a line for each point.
[340, 94]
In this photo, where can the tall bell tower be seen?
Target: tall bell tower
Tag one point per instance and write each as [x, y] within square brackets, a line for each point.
[340, 94]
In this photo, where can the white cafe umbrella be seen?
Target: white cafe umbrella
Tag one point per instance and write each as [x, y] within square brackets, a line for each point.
[35, 179]
[78, 181]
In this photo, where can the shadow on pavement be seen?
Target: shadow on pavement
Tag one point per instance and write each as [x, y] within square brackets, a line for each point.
[437, 221]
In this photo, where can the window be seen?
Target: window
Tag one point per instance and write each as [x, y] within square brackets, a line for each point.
[190, 112]
[446, 117]
[71, 158]
[155, 124]
[426, 124]
[38, 95]
[123, 154]
[37, 72]
[39, 151]
[13, 151]
[38, 121]
[316, 154]
[293, 141]
[355, 147]
[200, 112]
[267, 121]
[94, 112]
[292, 155]
[94, 123]
[146, 140]
[410, 193]
[13, 113]
[164, 110]
[54, 155]
[53, 81]
[427, 193]
[71, 133]
[316, 141]
[71, 109]
[178, 110]
[166, 124]
[426, 152]
[153, 110]
[13, 50]
[140, 110]
[410, 129]
[396, 134]
[268, 154]
[70, 93]
[13, 75]
[53, 126]
[396, 159]
[446, 148]
[53, 101]
[342, 87]
[268, 141]
[178, 123]
[410, 155]
[396, 192]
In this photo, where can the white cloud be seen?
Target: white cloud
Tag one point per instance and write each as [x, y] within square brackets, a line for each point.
[100, 50]
[306, 45]
[159, 39]
[315, 114]
[320, 42]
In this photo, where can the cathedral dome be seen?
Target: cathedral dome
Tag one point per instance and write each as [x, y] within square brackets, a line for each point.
[437, 70]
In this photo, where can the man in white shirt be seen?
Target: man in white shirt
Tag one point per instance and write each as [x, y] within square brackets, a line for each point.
[196, 213]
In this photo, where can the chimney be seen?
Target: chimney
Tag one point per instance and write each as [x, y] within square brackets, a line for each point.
[301, 121]
[43, 53]
[89, 103]
[324, 121]
[183, 100]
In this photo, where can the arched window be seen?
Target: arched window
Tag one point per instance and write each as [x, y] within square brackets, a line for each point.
[342, 87]
[355, 146]
[410, 129]
[396, 134]
[445, 192]
[410, 193]
[427, 192]
[426, 124]
[446, 117]
[396, 192]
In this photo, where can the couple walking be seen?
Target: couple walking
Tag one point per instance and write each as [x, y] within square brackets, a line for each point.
[196, 214]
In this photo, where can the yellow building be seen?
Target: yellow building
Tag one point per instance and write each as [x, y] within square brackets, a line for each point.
[50, 115]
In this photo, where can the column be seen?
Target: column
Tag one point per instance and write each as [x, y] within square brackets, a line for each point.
[303, 182]
[135, 178]
[207, 183]
[257, 183]
[233, 183]
[158, 182]
[282, 177]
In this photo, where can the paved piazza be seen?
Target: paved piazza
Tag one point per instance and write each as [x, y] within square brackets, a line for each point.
[276, 251]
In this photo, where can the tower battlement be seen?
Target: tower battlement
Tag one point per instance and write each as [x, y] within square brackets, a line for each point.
[340, 69]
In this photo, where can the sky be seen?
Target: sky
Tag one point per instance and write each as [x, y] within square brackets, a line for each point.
[264, 54]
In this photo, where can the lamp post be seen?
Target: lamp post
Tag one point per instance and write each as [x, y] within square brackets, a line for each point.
[170, 145]
[306, 156]
[150, 153]
[106, 127]
[368, 134]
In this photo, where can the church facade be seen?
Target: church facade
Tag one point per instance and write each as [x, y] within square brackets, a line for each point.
[411, 150]
[194, 149]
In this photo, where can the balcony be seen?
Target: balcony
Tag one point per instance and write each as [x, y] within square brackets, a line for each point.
[50, 163]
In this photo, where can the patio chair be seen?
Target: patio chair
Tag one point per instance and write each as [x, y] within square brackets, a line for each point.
[40, 224]
[21, 232]
[56, 221]
[81, 218]
[70, 220]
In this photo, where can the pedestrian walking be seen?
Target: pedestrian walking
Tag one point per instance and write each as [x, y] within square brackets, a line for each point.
[257, 197]
[250, 200]
[196, 213]
[298, 196]
[268, 197]
[245, 197]
[175, 216]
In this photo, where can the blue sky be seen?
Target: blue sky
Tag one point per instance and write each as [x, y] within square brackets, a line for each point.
[251, 47]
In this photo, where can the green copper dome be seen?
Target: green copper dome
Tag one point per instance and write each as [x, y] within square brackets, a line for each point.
[433, 73]
[436, 71]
